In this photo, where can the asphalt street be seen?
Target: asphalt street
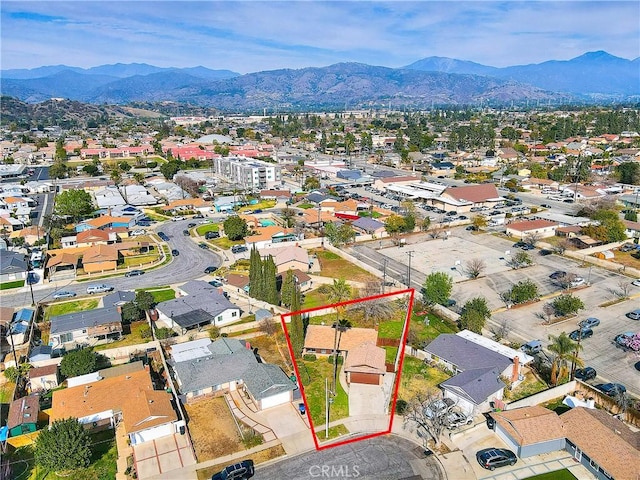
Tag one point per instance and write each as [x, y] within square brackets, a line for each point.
[381, 458]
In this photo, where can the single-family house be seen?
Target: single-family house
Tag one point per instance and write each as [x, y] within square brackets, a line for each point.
[40, 353]
[201, 305]
[631, 229]
[279, 195]
[320, 339]
[18, 332]
[365, 363]
[129, 398]
[13, 266]
[23, 415]
[100, 258]
[477, 363]
[538, 228]
[31, 234]
[204, 369]
[287, 258]
[94, 236]
[88, 327]
[188, 205]
[530, 431]
[106, 222]
[63, 263]
[303, 280]
[118, 298]
[369, 226]
[271, 235]
[462, 199]
[43, 378]
[6, 316]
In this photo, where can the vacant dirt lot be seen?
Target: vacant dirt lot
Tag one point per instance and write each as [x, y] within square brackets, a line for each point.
[213, 431]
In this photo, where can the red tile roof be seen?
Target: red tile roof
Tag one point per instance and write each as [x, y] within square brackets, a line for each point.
[473, 193]
[528, 225]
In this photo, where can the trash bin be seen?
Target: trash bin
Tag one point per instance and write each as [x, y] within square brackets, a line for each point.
[302, 408]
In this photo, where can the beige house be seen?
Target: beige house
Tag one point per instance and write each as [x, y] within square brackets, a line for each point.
[540, 228]
[320, 339]
[365, 364]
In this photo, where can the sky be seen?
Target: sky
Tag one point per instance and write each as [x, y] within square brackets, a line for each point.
[250, 36]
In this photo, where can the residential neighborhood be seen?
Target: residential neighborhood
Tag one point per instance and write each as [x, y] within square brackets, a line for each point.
[197, 292]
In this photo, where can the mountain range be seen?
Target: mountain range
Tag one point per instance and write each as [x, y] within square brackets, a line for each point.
[594, 76]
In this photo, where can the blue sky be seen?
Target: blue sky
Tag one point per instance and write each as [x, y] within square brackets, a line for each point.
[250, 36]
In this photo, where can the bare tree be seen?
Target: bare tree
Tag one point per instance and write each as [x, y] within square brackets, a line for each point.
[532, 238]
[548, 310]
[422, 413]
[519, 259]
[625, 288]
[475, 267]
[268, 326]
[566, 280]
[374, 309]
[436, 230]
[562, 246]
[189, 185]
[501, 331]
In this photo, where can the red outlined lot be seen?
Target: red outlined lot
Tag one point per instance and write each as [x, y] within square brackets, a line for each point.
[403, 340]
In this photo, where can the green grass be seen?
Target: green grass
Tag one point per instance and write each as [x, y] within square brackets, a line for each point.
[313, 375]
[422, 332]
[225, 244]
[417, 378]
[202, 230]
[391, 354]
[140, 260]
[134, 337]
[314, 298]
[262, 205]
[390, 329]
[6, 392]
[163, 295]
[530, 386]
[563, 474]
[334, 432]
[333, 265]
[70, 307]
[305, 206]
[9, 285]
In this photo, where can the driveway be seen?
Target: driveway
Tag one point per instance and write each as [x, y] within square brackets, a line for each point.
[163, 455]
[370, 399]
[291, 428]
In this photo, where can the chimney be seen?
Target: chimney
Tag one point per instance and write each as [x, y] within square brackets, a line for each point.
[516, 369]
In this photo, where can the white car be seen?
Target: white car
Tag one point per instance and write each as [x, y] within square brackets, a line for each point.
[137, 233]
[636, 283]
[175, 219]
[456, 419]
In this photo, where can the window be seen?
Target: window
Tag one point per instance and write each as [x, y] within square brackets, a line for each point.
[234, 314]
[219, 318]
[66, 337]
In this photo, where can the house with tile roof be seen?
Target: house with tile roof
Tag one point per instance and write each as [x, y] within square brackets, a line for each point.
[129, 399]
[271, 236]
[539, 228]
[213, 368]
[100, 258]
[320, 339]
[365, 364]
[106, 222]
[287, 258]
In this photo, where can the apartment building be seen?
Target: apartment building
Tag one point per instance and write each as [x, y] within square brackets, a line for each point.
[248, 173]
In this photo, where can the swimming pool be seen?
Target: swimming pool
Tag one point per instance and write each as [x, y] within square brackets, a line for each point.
[266, 223]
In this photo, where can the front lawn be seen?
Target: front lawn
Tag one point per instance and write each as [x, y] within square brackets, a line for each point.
[133, 336]
[162, 295]
[333, 265]
[10, 285]
[313, 374]
[421, 331]
[390, 329]
[202, 230]
[140, 260]
[261, 205]
[417, 378]
[529, 386]
[224, 243]
[563, 474]
[70, 307]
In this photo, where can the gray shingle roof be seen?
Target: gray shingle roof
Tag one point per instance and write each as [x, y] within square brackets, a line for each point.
[475, 384]
[368, 224]
[465, 354]
[85, 319]
[266, 380]
[118, 297]
[208, 299]
[12, 262]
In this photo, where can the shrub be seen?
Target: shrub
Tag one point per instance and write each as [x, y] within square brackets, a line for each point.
[310, 357]
[401, 406]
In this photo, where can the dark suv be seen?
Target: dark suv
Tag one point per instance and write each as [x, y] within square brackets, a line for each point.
[211, 235]
[491, 458]
[584, 374]
[237, 471]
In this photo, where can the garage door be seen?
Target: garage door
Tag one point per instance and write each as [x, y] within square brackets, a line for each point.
[153, 433]
[275, 400]
[368, 378]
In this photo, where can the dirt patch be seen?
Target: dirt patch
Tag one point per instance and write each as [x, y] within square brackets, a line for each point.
[212, 429]
[273, 349]
[258, 457]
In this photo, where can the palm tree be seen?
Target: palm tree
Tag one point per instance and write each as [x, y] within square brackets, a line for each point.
[566, 351]
[340, 326]
[339, 292]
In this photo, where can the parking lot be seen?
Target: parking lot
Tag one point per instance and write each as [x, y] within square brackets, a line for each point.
[526, 322]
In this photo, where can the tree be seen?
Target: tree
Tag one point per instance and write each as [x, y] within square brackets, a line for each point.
[14, 373]
[91, 169]
[138, 177]
[145, 300]
[170, 168]
[79, 362]
[339, 235]
[76, 204]
[629, 173]
[565, 350]
[532, 238]
[609, 228]
[523, 291]
[519, 259]
[235, 228]
[296, 327]
[420, 411]
[394, 225]
[437, 288]
[479, 221]
[288, 289]
[631, 216]
[474, 314]
[189, 185]
[374, 309]
[567, 304]
[131, 312]
[64, 446]
[340, 291]
[475, 267]
[311, 183]
[269, 272]
[425, 224]
[256, 286]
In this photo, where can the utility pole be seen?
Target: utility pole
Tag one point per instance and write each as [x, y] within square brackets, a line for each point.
[410, 253]
[384, 273]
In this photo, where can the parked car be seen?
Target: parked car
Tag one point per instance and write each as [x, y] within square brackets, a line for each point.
[439, 407]
[457, 419]
[589, 322]
[238, 471]
[621, 339]
[134, 273]
[576, 282]
[163, 236]
[519, 245]
[101, 288]
[203, 245]
[198, 215]
[176, 218]
[634, 314]
[557, 274]
[544, 252]
[492, 458]
[63, 294]
[211, 235]
[210, 269]
[175, 252]
[611, 389]
[636, 283]
[533, 347]
[545, 205]
[216, 283]
[580, 334]
[137, 233]
[191, 225]
[239, 248]
[186, 233]
[586, 373]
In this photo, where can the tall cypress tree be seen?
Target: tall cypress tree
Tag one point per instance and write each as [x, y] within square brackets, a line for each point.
[270, 283]
[255, 274]
[287, 291]
[296, 327]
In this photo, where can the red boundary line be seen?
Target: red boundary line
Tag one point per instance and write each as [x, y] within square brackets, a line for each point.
[403, 343]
